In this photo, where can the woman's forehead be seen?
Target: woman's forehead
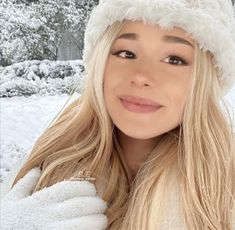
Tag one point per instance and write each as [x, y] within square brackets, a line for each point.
[137, 26]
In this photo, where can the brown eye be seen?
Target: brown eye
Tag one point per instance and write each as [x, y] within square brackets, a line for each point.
[125, 54]
[174, 60]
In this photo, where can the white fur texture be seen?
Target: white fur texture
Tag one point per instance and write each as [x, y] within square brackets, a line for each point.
[66, 205]
[173, 218]
[210, 22]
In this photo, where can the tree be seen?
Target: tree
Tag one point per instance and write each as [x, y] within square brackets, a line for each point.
[77, 28]
[34, 29]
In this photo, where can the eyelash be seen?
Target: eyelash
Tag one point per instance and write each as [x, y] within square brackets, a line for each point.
[184, 62]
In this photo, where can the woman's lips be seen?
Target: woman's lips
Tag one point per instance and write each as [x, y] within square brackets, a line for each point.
[139, 100]
[139, 108]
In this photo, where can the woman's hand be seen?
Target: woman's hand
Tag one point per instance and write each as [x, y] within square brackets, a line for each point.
[64, 205]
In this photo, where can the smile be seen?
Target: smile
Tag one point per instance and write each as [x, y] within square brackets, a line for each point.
[139, 108]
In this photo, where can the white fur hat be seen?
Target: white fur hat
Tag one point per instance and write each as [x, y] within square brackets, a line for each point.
[210, 22]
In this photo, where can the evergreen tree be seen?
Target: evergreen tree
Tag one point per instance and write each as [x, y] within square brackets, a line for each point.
[34, 29]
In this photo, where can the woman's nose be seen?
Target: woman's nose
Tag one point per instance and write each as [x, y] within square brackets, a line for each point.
[143, 76]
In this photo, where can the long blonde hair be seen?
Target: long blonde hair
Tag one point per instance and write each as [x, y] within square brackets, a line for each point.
[199, 153]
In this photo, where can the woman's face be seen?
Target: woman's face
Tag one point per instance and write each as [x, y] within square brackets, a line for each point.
[150, 63]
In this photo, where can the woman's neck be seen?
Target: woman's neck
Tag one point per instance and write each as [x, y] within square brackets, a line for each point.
[134, 151]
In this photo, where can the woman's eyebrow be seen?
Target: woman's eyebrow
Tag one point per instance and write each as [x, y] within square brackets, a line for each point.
[175, 39]
[166, 38]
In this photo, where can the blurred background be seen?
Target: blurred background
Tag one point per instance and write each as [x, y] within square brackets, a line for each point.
[41, 43]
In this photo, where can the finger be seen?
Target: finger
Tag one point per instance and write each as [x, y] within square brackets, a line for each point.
[79, 206]
[96, 221]
[25, 186]
[65, 190]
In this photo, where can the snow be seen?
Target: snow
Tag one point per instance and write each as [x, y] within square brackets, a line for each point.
[40, 77]
[34, 30]
[23, 119]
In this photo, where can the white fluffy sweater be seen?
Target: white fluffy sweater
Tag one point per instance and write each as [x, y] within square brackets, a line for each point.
[173, 220]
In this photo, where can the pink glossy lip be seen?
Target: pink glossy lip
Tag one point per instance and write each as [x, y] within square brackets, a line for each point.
[134, 105]
[140, 100]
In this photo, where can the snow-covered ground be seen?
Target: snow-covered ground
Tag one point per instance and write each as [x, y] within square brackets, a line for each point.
[23, 120]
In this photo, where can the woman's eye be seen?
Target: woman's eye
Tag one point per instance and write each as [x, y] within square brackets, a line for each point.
[124, 54]
[174, 60]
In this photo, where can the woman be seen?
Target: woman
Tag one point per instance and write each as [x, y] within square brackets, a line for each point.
[149, 126]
